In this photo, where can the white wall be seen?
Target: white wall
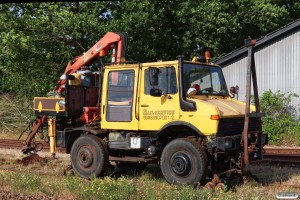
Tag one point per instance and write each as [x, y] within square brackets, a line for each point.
[277, 68]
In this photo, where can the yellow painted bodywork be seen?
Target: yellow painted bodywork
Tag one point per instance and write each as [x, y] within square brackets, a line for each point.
[153, 113]
[227, 107]
[214, 105]
[133, 125]
[149, 113]
[160, 110]
[52, 135]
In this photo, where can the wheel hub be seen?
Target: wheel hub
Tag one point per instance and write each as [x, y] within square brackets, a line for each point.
[85, 157]
[181, 164]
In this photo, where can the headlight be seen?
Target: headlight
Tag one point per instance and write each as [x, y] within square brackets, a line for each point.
[228, 143]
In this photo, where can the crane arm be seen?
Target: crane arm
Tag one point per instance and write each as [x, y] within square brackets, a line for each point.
[111, 40]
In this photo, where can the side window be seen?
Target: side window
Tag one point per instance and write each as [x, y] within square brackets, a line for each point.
[119, 96]
[167, 81]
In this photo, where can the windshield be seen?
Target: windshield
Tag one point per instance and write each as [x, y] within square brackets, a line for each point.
[206, 79]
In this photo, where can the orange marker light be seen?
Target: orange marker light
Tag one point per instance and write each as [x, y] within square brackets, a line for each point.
[207, 55]
[102, 53]
[214, 117]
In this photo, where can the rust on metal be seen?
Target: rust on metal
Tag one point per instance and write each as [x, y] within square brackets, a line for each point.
[256, 101]
[18, 144]
[245, 160]
[132, 159]
[31, 159]
[251, 72]
[281, 156]
[216, 183]
[35, 127]
[287, 151]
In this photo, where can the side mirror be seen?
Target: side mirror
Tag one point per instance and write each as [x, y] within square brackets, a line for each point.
[155, 92]
[153, 76]
[234, 90]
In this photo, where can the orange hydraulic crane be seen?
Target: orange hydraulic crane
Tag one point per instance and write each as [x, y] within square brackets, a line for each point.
[115, 41]
[111, 40]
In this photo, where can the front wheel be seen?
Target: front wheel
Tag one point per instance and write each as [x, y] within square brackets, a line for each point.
[89, 156]
[184, 162]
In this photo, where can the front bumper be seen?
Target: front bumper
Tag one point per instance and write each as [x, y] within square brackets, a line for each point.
[234, 142]
[229, 143]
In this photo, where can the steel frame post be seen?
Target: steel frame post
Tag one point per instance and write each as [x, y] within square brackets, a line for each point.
[250, 72]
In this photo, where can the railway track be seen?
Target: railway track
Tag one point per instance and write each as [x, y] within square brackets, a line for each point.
[18, 144]
[283, 155]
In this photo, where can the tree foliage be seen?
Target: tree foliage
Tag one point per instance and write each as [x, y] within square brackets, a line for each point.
[38, 39]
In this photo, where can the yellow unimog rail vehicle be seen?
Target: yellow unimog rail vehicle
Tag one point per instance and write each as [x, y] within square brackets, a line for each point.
[177, 114]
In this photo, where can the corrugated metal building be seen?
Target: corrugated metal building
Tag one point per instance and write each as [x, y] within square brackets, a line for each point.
[277, 59]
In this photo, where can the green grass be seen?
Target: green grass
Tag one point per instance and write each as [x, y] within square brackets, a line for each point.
[47, 180]
[107, 188]
[147, 185]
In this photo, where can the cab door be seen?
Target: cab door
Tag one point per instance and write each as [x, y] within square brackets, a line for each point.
[119, 99]
[159, 102]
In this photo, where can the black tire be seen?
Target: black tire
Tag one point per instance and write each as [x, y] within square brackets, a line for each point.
[128, 167]
[89, 156]
[184, 162]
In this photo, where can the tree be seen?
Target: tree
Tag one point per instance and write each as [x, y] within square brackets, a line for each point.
[163, 29]
[38, 39]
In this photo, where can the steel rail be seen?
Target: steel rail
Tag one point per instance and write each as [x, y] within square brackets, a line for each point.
[18, 144]
[288, 155]
[281, 150]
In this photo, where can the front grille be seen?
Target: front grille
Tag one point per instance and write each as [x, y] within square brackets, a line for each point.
[235, 126]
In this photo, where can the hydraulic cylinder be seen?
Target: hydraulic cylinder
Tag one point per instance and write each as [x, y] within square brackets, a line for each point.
[52, 135]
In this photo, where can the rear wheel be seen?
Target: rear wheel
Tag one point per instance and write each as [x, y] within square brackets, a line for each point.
[184, 162]
[89, 156]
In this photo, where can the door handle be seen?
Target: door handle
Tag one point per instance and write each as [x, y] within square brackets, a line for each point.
[144, 106]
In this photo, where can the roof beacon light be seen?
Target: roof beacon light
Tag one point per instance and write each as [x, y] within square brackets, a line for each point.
[102, 53]
[250, 42]
[207, 56]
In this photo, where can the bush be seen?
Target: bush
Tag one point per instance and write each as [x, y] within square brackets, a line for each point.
[281, 118]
